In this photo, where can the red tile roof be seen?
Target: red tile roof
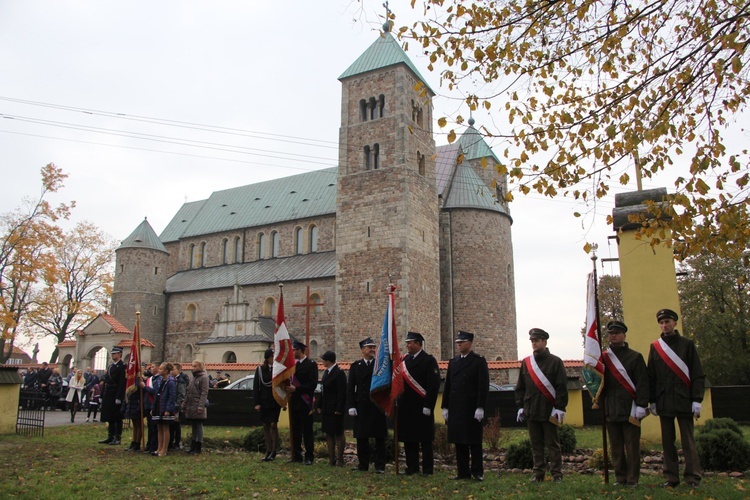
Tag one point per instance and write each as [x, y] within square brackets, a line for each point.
[144, 343]
[67, 343]
[117, 327]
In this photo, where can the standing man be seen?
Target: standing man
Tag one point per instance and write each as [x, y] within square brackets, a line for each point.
[112, 396]
[332, 404]
[677, 385]
[369, 420]
[467, 384]
[416, 421]
[625, 396]
[303, 384]
[542, 395]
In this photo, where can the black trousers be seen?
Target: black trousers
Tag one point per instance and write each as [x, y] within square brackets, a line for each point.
[114, 427]
[411, 450]
[302, 429]
[364, 452]
[463, 451]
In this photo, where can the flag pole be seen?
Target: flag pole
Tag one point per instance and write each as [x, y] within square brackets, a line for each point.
[392, 290]
[289, 404]
[599, 339]
[138, 376]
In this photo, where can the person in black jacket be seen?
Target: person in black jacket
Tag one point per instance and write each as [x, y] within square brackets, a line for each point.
[332, 404]
[416, 421]
[467, 384]
[266, 404]
[302, 404]
[113, 395]
[369, 420]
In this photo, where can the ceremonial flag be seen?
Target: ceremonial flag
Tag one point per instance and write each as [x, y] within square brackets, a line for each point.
[593, 368]
[387, 379]
[133, 369]
[283, 361]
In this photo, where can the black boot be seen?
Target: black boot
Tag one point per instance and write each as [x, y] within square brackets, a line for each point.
[109, 439]
[197, 449]
[115, 441]
[192, 447]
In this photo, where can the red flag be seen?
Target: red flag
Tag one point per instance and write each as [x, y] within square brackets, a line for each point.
[387, 377]
[134, 365]
[283, 361]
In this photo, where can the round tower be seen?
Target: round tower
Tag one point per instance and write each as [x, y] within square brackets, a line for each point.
[140, 280]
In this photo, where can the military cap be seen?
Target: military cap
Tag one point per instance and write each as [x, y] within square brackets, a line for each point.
[617, 326]
[366, 342]
[464, 336]
[117, 349]
[268, 353]
[666, 314]
[538, 333]
[416, 337]
[329, 356]
[298, 345]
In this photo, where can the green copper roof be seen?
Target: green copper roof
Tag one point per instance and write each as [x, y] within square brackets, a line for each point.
[474, 145]
[467, 190]
[384, 52]
[144, 236]
[297, 197]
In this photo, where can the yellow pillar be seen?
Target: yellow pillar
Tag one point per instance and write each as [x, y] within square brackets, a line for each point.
[649, 283]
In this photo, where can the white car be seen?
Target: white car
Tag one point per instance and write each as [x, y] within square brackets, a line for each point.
[245, 383]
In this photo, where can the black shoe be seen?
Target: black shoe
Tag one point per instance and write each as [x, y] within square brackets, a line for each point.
[670, 484]
[537, 479]
[459, 478]
[115, 441]
[478, 477]
[557, 480]
[379, 471]
[107, 441]
[427, 473]
[307, 462]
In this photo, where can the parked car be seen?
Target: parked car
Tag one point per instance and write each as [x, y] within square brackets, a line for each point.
[245, 382]
[502, 387]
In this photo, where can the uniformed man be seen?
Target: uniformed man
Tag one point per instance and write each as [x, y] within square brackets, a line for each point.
[416, 421]
[369, 420]
[303, 384]
[113, 395]
[467, 384]
[625, 396]
[676, 392]
[542, 395]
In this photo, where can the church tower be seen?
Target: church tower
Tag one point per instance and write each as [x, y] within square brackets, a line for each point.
[140, 279]
[386, 209]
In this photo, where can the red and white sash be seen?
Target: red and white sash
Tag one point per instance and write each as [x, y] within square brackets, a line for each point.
[673, 361]
[411, 380]
[540, 380]
[614, 367]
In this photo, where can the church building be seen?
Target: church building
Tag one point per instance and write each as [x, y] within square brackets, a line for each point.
[431, 220]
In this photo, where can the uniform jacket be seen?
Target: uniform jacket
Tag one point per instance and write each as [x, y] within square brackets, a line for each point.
[307, 375]
[671, 395]
[617, 399]
[196, 397]
[370, 420]
[413, 425]
[262, 393]
[114, 390]
[467, 383]
[333, 397]
[535, 405]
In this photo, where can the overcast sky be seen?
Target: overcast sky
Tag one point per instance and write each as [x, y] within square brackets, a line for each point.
[148, 104]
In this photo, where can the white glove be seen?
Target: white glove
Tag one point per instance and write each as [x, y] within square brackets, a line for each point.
[118, 402]
[652, 409]
[519, 416]
[696, 409]
[426, 412]
[640, 413]
[445, 414]
[479, 414]
[558, 414]
[352, 412]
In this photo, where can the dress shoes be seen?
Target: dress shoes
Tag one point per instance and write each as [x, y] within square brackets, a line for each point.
[478, 477]
[379, 471]
[107, 441]
[537, 479]
[670, 484]
[307, 462]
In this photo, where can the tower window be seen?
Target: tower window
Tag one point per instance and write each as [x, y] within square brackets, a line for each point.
[368, 158]
[122, 268]
[191, 313]
[376, 156]
[373, 108]
[156, 271]
[421, 163]
[363, 110]
[191, 256]
[381, 106]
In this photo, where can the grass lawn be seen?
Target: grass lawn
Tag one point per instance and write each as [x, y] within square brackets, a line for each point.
[68, 463]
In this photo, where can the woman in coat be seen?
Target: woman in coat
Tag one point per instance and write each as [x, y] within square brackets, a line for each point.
[266, 404]
[75, 393]
[164, 408]
[195, 404]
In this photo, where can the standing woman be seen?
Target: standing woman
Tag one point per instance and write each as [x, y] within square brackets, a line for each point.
[75, 393]
[164, 406]
[194, 406]
[266, 404]
[332, 404]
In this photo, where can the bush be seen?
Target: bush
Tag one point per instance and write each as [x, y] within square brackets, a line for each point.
[720, 423]
[254, 441]
[596, 460]
[723, 449]
[440, 444]
[518, 456]
[567, 438]
[494, 435]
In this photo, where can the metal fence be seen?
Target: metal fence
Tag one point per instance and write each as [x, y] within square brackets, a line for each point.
[31, 407]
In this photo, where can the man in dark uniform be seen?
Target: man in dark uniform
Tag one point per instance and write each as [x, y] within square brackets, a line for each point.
[369, 420]
[304, 381]
[467, 384]
[677, 384]
[113, 394]
[542, 395]
[416, 421]
[43, 375]
[625, 397]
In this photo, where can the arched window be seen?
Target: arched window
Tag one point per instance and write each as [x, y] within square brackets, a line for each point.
[229, 357]
[313, 238]
[315, 299]
[421, 163]
[298, 241]
[376, 156]
[368, 158]
[363, 110]
[381, 105]
[373, 108]
[225, 251]
[261, 246]
[202, 255]
[269, 307]
[191, 256]
[238, 249]
[313, 349]
[275, 244]
[187, 353]
[191, 313]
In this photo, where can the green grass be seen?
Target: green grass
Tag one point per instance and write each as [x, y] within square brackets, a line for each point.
[68, 463]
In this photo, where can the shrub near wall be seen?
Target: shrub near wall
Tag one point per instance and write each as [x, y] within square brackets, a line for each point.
[721, 446]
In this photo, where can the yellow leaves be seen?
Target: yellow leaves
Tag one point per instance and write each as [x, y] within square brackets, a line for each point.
[587, 247]
[451, 137]
[736, 64]
[442, 122]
